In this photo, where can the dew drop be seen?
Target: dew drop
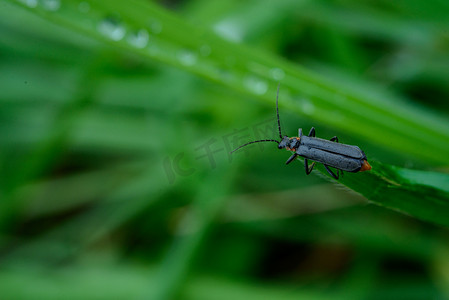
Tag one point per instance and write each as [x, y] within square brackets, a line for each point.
[139, 38]
[51, 5]
[307, 106]
[84, 7]
[277, 74]
[29, 3]
[229, 30]
[256, 85]
[112, 28]
[187, 58]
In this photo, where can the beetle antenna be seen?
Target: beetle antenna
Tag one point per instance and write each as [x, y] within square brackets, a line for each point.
[259, 141]
[277, 112]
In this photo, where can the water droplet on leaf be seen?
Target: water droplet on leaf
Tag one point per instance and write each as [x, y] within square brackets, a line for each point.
[139, 39]
[256, 85]
[51, 5]
[112, 28]
[277, 74]
[187, 58]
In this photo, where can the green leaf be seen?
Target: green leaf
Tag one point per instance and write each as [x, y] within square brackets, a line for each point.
[421, 194]
[101, 98]
[153, 34]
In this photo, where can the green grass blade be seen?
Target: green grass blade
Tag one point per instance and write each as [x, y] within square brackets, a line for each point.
[146, 30]
[421, 194]
[154, 35]
[199, 220]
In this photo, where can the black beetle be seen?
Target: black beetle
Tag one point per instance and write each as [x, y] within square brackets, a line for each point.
[328, 152]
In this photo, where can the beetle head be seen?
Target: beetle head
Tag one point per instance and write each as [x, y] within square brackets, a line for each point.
[284, 143]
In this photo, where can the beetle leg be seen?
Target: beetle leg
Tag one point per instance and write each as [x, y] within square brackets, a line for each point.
[332, 173]
[291, 158]
[334, 139]
[306, 166]
[312, 132]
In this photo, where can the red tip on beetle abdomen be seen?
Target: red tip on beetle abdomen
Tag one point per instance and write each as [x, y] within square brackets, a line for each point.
[365, 166]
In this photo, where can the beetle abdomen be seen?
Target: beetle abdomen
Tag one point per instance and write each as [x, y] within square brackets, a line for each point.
[338, 161]
[329, 146]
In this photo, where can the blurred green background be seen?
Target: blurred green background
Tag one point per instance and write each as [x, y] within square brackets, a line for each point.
[116, 122]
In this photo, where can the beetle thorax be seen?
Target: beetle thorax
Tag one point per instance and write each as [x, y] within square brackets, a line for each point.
[289, 143]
